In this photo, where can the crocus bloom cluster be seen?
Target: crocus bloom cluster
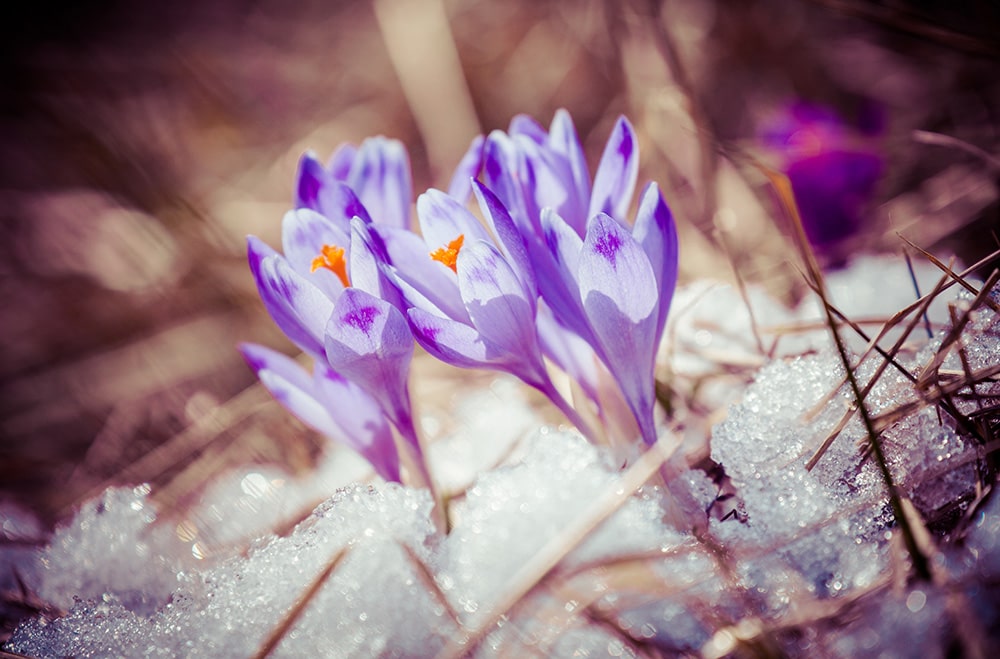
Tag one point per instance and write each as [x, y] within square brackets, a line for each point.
[552, 271]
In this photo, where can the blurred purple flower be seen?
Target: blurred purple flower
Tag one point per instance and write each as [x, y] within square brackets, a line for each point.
[372, 182]
[834, 171]
[330, 404]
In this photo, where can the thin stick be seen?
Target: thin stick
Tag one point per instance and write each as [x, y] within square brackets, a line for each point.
[279, 632]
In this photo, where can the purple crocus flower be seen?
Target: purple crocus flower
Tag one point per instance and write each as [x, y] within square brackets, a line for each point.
[623, 281]
[470, 297]
[608, 287]
[315, 400]
[834, 171]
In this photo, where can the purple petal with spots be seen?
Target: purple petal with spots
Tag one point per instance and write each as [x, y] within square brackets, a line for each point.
[380, 175]
[298, 307]
[467, 170]
[369, 341]
[616, 175]
[450, 341]
[329, 404]
[656, 233]
[618, 289]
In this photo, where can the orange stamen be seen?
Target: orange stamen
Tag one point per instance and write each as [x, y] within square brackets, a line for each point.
[331, 257]
[449, 255]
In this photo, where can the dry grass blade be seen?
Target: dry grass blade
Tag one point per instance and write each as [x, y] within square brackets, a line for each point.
[195, 437]
[783, 187]
[936, 394]
[930, 372]
[279, 632]
[429, 582]
[875, 376]
[549, 556]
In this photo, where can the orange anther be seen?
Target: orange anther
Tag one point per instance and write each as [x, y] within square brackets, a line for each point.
[331, 257]
[449, 255]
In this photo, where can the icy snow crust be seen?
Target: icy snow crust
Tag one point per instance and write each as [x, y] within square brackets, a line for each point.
[796, 540]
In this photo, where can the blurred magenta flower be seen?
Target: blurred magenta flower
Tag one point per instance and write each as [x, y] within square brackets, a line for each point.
[834, 171]
[330, 404]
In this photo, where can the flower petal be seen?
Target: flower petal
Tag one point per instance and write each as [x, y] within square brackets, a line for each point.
[313, 400]
[316, 189]
[500, 308]
[369, 341]
[563, 140]
[656, 233]
[508, 237]
[340, 162]
[298, 307]
[442, 219]
[380, 175]
[361, 421]
[468, 169]
[618, 289]
[614, 182]
[501, 163]
[450, 341]
[523, 124]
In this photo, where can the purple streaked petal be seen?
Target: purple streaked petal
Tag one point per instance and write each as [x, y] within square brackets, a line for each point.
[329, 404]
[443, 218]
[616, 175]
[369, 341]
[501, 162]
[310, 180]
[298, 307]
[467, 170]
[340, 162]
[498, 305]
[547, 181]
[523, 124]
[618, 289]
[450, 341]
[563, 139]
[359, 417]
[317, 189]
[508, 237]
[380, 175]
[412, 269]
[656, 233]
[304, 232]
[370, 271]
[261, 358]
[568, 351]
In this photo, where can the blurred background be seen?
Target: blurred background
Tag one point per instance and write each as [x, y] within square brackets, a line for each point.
[141, 142]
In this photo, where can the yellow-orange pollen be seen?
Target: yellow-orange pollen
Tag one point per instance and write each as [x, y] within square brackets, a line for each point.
[331, 257]
[449, 255]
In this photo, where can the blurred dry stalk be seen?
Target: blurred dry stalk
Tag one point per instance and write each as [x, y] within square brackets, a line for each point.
[142, 143]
